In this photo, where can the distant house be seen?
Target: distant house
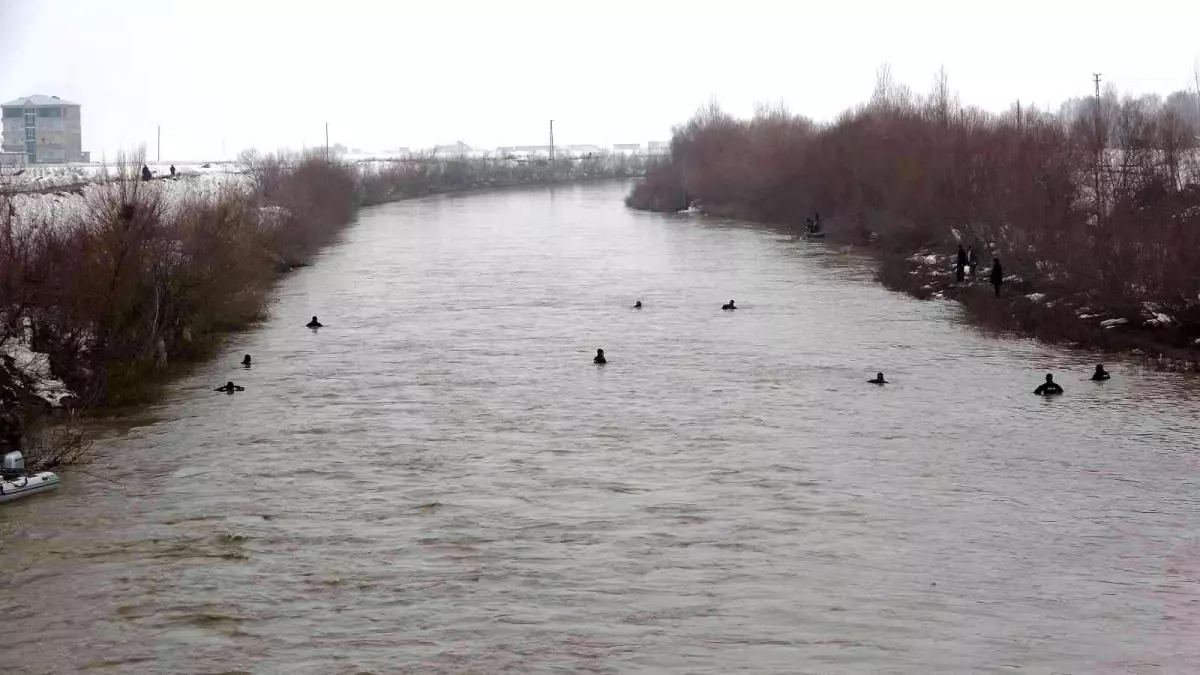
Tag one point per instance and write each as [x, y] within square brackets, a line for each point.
[627, 148]
[46, 128]
[584, 150]
[658, 147]
[458, 149]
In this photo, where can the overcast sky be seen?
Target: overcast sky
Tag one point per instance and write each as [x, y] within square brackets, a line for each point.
[219, 76]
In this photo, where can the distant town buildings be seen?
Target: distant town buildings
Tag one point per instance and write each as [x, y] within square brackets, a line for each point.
[458, 149]
[45, 129]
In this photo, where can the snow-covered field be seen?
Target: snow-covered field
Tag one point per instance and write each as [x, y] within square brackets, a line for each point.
[66, 209]
[46, 176]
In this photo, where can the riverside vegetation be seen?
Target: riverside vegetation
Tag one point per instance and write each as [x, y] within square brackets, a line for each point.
[1094, 211]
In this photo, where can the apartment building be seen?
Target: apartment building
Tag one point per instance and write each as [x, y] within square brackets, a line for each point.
[45, 128]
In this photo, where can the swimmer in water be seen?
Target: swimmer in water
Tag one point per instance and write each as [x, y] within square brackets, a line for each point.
[1101, 373]
[878, 379]
[230, 387]
[599, 357]
[313, 324]
[729, 306]
[1049, 387]
[637, 305]
[246, 360]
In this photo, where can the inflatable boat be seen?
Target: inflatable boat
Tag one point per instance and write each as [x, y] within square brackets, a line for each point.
[15, 482]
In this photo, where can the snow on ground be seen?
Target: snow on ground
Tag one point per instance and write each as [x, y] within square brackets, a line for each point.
[35, 366]
[46, 176]
[1160, 319]
[65, 210]
[924, 259]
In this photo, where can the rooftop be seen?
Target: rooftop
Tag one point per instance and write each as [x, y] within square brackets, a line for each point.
[35, 101]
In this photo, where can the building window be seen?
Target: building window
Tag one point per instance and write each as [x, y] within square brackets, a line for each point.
[14, 112]
[49, 112]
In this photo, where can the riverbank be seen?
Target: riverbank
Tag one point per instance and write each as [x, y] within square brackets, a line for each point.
[1054, 316]
[124, 284]
[1099, 241]
[1026, 307]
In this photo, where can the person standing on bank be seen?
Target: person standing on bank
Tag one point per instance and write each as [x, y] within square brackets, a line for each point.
[997, 276]
[960, 265]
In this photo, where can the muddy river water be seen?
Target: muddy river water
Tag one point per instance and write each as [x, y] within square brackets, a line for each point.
[441, 481]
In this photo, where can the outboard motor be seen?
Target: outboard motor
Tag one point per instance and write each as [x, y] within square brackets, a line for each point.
[12, 466]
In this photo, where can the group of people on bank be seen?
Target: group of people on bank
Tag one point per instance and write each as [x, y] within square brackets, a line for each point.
[968, 261]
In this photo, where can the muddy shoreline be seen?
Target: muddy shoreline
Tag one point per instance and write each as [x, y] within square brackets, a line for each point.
[1027, 308]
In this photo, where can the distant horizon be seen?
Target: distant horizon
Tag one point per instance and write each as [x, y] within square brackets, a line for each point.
[418, 75]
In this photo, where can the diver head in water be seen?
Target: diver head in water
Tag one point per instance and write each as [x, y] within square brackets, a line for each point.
[314, 323]
[878, 379]
[1048, 387]
[230, 387]
[637, 305]
[1101, 373]
[730, 305]
[599, 357]
[246, 360]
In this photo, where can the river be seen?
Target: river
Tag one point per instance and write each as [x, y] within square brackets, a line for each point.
[441, 481]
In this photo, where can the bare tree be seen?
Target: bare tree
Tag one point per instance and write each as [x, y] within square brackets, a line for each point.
[940, 97]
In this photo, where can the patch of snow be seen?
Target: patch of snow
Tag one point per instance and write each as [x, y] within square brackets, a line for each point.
[35, 366]
[1160, 319]
[930, 259]
[1089, 316]
[1196, 342]
[1036, 297]
[1111, 323]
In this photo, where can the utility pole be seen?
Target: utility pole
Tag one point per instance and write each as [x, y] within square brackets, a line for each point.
[551, 149]
[327, 141]
[1018, 113]
[1099, 149]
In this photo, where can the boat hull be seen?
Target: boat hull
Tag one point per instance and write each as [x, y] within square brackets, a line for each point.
[26, 486]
